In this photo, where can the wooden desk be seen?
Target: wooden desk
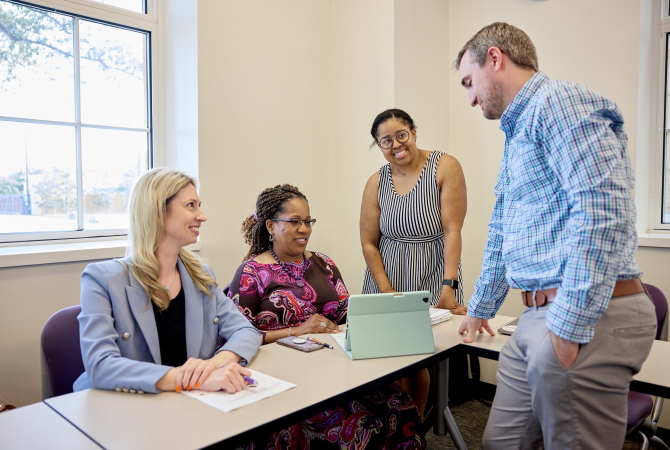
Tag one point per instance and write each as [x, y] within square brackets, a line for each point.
[169, 420]
[37, 426]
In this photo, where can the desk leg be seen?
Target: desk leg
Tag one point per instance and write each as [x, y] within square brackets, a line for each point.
[445, 423]
[441, 396]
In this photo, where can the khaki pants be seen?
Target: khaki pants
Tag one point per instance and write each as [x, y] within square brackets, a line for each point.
[538, 404]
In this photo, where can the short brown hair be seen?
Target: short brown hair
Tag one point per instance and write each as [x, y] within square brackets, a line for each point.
[512, 41]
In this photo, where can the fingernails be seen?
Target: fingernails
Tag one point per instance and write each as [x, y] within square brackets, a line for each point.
[190, 387]
[197, 385]
[178, 388]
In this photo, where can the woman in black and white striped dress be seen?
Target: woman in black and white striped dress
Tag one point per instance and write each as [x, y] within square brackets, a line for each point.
[411, 217]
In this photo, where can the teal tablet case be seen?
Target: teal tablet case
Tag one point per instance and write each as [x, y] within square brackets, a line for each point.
[393, 324]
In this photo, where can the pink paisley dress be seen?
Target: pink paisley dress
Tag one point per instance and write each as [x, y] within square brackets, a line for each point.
[267, 295]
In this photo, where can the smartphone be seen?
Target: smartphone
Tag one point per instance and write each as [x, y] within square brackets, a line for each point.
[508, 328]
[302, 344]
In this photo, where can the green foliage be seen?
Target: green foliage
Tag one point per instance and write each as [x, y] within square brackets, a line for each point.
[129, 178]
[27, 32]
[57, 190]
[30, 37]
[12, 184]
[101, 197]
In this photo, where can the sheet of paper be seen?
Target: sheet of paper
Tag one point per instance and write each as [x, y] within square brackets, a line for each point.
[439, 315]
[266, 386]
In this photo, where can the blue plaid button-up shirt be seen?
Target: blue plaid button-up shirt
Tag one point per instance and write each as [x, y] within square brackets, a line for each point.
[564, 215]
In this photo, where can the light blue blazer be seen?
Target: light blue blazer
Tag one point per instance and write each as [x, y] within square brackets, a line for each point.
[118, 335]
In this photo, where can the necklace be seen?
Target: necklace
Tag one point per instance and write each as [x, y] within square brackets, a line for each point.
[173, 280]
[299, 279]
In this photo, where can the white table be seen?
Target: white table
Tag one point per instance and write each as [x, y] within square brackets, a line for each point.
[37, 427]
[169, 420]
[130, 421]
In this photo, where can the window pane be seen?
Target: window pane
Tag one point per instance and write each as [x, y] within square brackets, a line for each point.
[665, 213]
[667, 84]
[45, 199]
[36, 64]
[665, 216]
[113, 76]
[111, 161]
[132, 5]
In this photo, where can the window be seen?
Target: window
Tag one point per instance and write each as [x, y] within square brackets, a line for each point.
[665, 189]
[75, 116]
[657, 205]
[131, 5]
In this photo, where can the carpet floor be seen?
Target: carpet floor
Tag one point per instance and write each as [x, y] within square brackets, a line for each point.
[471, 419]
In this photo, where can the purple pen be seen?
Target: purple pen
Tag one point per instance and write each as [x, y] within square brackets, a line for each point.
[250, 380]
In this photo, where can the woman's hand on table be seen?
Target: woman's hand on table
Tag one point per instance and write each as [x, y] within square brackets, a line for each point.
[317, 324]
[448, 301]
[229, 378]
[193, 373]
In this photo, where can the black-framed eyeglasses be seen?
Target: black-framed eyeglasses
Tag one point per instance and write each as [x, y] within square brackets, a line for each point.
[297, 222]
[401, 136]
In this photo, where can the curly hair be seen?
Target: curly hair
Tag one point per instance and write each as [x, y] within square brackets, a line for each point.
[269, 204]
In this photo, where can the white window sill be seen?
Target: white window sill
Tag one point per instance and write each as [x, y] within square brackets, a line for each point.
[654, 240]
[53, 253]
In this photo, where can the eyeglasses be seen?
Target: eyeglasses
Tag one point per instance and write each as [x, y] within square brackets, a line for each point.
[401, 136]
[297, 222]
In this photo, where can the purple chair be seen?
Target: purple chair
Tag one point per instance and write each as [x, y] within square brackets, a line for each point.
[640, 406]
[61, 353]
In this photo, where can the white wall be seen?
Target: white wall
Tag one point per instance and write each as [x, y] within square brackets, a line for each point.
[363, 86]
[265, 115]
[180, 85]
[28, 297]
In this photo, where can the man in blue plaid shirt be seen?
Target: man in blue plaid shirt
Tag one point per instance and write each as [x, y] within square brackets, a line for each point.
[562, 231]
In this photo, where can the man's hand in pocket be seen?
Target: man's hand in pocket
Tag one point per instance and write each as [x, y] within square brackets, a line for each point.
[566, 351]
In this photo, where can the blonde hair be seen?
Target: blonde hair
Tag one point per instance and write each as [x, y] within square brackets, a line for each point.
[149, 202]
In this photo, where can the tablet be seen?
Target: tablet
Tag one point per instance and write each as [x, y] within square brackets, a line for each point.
[390, 324]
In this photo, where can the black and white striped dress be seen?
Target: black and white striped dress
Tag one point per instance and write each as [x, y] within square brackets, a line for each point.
[412, 239]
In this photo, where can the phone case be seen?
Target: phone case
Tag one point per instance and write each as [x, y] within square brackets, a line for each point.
[307, 346]
[508, 328]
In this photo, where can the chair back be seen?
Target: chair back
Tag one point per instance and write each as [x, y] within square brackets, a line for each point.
[61, 353]
[661, 305]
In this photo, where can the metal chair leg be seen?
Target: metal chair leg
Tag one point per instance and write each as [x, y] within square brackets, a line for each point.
[453, 430]
[658, 441]
[645, 441]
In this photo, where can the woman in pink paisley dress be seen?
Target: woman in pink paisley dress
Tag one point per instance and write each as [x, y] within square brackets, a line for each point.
[286, 290]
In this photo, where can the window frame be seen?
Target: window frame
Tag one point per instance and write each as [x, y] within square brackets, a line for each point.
[149, 23]
[659, 138]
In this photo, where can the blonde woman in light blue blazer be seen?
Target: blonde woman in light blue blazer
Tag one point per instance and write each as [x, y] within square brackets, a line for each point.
[123, 300]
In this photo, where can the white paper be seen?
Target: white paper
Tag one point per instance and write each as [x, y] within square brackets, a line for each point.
[266, 386]
[439, 315]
